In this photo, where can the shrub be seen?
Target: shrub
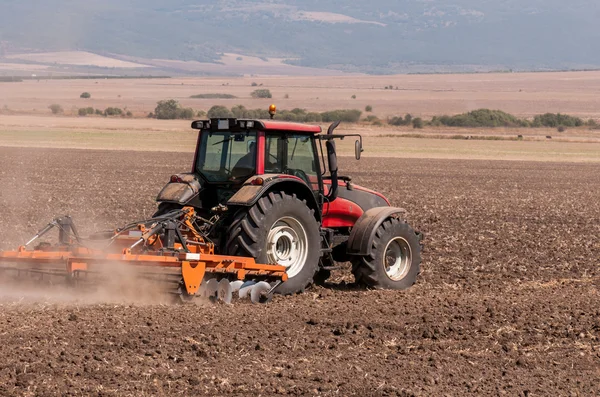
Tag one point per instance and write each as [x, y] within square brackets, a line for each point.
[89, 110]
[346, 115]
[368, 108]
[219, 111]
[254, 84]
[185, 113]
[82, 112]
[286, 96]
[561, 128]
[129, 114]
[353, 96]
[99, 112]
[213, 96]
[399, 120]
[85, 95]
[262, 93]
[111, 111]
[556, 120]
[201, 113]
[483, 118]
[171, 109]
[417, 122]
[371, 118]
[56, 108]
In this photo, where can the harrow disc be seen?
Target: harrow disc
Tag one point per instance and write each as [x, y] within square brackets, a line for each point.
[245, 289]
[258, 294]
[225, 291]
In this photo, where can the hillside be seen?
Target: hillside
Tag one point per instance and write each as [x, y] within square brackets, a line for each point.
[380, 36]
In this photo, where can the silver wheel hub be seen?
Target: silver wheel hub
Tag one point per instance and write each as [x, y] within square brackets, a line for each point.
[287, 245]
[397, 259]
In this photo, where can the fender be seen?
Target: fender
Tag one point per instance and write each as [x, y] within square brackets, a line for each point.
[252, 191]
[182, 189]
[363, 232]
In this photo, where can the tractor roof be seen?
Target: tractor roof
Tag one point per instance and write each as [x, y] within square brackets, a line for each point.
[289, 126]
[265, 125]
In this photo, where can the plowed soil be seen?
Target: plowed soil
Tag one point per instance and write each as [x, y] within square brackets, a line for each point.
[507, 302]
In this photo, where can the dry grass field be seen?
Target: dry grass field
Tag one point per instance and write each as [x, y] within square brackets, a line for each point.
[522, 94]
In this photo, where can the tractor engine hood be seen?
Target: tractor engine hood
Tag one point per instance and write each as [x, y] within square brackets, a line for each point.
[181, 189]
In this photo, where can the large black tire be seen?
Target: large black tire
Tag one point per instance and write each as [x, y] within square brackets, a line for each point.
[395, 258]
[290, 226]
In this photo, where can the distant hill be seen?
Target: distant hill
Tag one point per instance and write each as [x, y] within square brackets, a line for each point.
[378, 36]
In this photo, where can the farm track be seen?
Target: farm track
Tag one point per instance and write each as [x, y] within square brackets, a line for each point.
[507, 303]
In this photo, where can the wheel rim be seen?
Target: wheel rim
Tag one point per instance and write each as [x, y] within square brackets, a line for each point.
[287, 245]
[397, 259]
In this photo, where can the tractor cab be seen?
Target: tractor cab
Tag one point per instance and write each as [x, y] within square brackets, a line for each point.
[231, 153]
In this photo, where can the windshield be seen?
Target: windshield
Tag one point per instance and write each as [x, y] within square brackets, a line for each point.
[227, 156]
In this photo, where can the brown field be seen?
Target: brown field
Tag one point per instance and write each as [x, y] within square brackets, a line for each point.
[523, 94]
[507, 302]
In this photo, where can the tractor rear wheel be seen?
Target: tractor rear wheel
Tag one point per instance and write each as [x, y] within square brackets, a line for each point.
[279, 229]
[394, 260]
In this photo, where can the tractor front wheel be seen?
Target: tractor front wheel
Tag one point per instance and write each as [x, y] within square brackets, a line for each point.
[394, 260]
[279, 229]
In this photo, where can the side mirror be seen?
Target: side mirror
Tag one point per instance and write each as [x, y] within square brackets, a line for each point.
[357, 149]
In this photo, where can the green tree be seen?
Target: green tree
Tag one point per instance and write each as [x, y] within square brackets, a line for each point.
[85, 95]
[167, 109]
[368, 108]
[417, 122]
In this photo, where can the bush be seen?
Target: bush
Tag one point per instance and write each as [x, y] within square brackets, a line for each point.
[483, 118]
[129, 114]
[85, 95]
[56, 108]
[353, 96]
[262, 93]
[254, 84]
[99, 112]
[561, 128]
[371, 118]
[399, 120]
[556, 120]
[82, 112]
[110, 111]
[286, 96]
[368, 108]
[201, 113]
[219, 111]
[417, 122]
[89, 110]
[213, 96]
[171, 109]
[346, 115]
[185, 113]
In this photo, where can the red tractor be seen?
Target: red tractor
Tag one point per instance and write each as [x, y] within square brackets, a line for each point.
[262, 190]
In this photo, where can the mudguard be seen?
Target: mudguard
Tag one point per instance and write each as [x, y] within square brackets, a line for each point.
[251, 191]
[363, 232]
[181, 192]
